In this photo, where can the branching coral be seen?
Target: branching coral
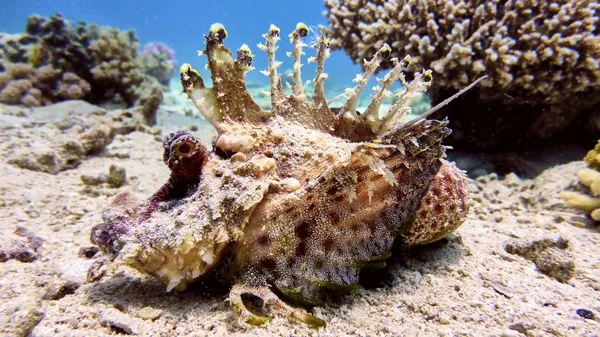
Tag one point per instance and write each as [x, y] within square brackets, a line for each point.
[67, 61]
[592, 158]
[541, 58]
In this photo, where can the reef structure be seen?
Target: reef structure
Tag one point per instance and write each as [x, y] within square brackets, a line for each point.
[542, 59]
[291, 202]
[56, 60]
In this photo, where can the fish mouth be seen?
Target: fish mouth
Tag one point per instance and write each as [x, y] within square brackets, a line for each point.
[131, 238]
[119, 218]
[177, 266]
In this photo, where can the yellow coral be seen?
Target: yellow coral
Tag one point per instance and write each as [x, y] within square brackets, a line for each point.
[590, 177]
[581, 201]
[593, 157]
[36, 56]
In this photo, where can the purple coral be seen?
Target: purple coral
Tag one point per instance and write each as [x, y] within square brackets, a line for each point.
[159, 61]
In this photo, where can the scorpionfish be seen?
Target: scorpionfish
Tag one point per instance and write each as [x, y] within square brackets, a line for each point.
[293, 202]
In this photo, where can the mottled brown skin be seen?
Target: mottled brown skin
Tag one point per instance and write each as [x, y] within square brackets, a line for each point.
[294, 201]
[319, 237]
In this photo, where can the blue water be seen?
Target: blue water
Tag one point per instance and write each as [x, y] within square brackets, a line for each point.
[181, 25]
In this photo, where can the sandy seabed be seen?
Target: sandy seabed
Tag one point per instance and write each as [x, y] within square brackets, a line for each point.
[523, 263]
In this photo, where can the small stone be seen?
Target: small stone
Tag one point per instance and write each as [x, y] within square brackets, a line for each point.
[476, 304]
[578, 224]
[59, 288]
[92, 180]
[116, 176]
[155, 131]
[585, 313]
[24, 246]
[118, 321]
[510, 333]
[97, 270]
[193, 127]
[149, 313]
[443, 319]
[88, 252]
[97, 138]
[522, 327]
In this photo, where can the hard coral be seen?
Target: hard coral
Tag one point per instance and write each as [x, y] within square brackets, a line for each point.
[67, 61]
[23, 84]
[541, 59]
[592, 158]
[158, 61]
[293, 201]
[590, 177]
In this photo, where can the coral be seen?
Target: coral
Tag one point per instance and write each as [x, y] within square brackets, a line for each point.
[14, 91]
[297, 199]
[593, 157]
[15, 48]
[73, 87]
[147, 103]
[116, 176]
[589, 177]
[82, 61]
[158, 60]
[31, 87]
[541, 59]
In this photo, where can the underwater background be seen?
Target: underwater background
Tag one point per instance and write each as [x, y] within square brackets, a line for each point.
[182, 25]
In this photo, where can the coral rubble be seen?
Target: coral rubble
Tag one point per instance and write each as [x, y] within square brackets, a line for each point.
[542, 59]
[56, 60]
[299, 198]
[61, 137]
